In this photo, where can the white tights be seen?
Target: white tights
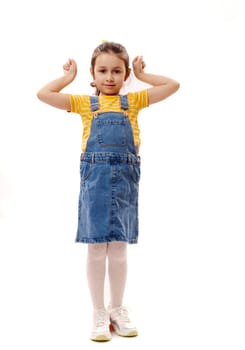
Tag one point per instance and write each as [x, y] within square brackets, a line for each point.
[116, 252]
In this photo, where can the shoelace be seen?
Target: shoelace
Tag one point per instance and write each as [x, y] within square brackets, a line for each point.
[100, 319]
[122, 314]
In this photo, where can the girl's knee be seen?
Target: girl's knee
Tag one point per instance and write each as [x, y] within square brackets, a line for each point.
[97, 250]
[117, 250]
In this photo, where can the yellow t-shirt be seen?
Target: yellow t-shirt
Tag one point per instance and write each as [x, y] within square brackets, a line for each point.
[136, 101]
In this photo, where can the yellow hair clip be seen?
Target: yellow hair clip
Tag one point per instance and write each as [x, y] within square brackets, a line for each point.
[104, 41]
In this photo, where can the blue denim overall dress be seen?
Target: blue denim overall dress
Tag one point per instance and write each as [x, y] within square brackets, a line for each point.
[110, 173]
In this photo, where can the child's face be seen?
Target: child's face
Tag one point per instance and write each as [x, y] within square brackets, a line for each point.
[109, 73]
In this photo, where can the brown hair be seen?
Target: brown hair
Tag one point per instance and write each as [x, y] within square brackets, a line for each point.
[109, 47]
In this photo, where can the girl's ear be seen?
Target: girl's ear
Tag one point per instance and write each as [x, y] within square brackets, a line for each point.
[92, 72]
[127, 74]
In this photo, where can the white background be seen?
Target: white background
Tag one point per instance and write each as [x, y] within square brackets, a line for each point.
[186, 276]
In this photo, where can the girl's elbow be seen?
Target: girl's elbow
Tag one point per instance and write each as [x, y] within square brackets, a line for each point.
[40, 95]
[176, 86]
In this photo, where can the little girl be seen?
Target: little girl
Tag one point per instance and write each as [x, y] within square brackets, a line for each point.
[110, 172]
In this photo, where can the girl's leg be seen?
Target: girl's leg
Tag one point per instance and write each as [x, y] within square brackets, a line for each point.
[117, 265]
[117, 269]
[96, 279]
[96, 261]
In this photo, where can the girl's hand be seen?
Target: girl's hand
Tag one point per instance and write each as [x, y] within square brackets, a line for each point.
[70, 68]
[161, 86]
[138, 66]
[51, 92]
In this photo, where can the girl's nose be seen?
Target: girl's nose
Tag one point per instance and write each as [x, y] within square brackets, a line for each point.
[109, 77]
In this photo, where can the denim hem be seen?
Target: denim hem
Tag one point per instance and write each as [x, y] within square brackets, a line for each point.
[105, 240]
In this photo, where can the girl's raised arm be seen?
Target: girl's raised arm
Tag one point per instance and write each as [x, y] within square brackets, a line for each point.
[162, 87]
[50, 93]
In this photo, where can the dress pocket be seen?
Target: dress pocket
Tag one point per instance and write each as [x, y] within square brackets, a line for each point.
[111, 132]
[85, 170]
[135, 172]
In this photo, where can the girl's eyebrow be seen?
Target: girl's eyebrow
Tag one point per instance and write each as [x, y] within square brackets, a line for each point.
[117, 67]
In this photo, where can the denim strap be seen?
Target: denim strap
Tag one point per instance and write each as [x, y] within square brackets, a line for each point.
[94, 103]
[124, 102]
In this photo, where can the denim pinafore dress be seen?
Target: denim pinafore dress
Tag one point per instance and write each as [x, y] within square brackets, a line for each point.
[110, 173]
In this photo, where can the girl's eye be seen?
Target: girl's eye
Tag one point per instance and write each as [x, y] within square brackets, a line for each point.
[117, 71]
[102, 70]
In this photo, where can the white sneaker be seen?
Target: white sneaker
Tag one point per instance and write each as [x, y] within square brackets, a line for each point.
[101, 322]
[121, 322]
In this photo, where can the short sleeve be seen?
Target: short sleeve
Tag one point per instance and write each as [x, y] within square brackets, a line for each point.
[80, 104]
[138, 100]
